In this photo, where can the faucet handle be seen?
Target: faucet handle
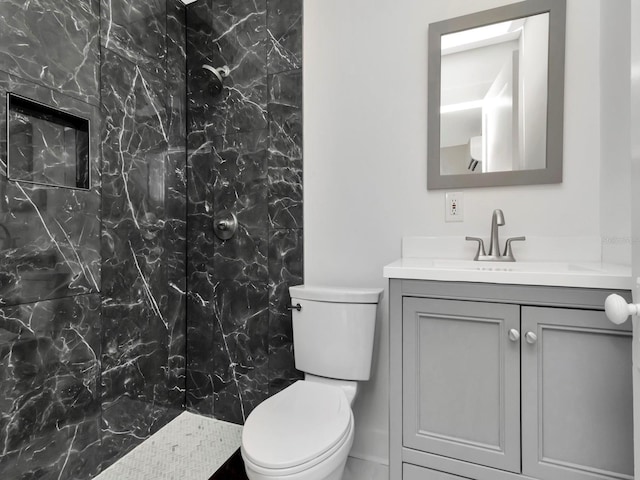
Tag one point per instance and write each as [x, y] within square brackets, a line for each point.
[480, 250]
[508, 252]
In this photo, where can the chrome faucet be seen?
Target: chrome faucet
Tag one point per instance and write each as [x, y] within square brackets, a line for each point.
[497, 220]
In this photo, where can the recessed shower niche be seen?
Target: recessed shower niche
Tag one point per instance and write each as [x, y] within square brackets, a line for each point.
[46, 145]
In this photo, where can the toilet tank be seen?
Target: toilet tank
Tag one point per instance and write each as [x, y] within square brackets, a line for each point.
[334, 330]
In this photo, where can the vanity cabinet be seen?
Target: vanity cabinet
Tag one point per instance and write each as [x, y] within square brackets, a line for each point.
[493, 382]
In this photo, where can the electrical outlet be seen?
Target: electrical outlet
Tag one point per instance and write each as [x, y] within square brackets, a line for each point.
[453, 207]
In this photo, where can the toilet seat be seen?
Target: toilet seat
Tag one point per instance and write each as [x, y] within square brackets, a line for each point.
[297, 428]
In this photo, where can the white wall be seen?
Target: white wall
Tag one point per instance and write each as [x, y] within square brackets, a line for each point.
[365, 150]
[615, 103]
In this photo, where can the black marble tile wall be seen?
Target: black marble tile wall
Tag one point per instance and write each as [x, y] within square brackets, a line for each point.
[136, 30]
[93, 281]
[176, 200]
[144, 182]
[285, 150]
[97, 349]
[285, 269]
[284, 30]
[49, 236]
[126, 422]
[49, 389]
[245, 155]
[50, 325]
[233, 33]
[54, 44]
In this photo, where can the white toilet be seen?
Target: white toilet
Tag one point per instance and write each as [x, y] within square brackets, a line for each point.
[305, 432]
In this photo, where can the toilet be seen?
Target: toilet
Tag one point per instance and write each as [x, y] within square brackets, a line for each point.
[305, 431]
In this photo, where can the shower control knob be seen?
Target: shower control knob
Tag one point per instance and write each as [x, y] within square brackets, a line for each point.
[531, 338]
[618, 310]
[514, 335]
[225, 225]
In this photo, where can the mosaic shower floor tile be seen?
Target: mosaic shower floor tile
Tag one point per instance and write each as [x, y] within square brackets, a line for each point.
[190, 446]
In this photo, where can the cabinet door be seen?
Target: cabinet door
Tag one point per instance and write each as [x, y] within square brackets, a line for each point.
[461, 380]
[577, 406]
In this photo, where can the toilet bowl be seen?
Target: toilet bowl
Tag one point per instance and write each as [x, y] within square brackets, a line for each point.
[305, 431]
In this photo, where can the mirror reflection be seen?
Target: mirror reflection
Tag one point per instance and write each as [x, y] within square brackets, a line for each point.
[493, 99]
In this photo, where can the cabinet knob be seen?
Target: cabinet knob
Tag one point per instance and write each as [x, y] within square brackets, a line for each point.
[514, 335]
[531, 337]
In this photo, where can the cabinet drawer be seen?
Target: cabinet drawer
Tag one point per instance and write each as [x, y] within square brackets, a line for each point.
[411, 472]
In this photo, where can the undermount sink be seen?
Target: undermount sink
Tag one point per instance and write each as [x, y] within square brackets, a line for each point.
[549, 267]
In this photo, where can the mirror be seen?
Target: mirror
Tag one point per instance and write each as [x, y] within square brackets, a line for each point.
[496, 93]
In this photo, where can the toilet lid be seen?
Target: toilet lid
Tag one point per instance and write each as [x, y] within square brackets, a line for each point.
[296, 425]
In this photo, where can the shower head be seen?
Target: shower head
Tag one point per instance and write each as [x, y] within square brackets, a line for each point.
[218, 74]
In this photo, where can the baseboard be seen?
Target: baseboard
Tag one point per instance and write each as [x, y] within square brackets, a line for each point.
[370, 458]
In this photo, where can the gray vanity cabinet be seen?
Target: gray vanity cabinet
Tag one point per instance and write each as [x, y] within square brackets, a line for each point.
[577, 409]
[508, 382]
[461, 380]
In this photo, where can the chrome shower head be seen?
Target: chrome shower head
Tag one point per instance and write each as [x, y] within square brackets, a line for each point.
[218, 74]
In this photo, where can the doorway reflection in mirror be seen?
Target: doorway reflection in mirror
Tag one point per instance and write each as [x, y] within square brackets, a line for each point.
[493, 102]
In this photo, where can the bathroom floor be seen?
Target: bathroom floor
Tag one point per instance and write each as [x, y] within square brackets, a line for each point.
[190, 446]
[233, 469]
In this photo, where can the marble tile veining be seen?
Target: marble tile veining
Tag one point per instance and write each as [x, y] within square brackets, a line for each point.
[233, 33]
[54, 44]
[50, 245]
[136, 30]
[245, 155]
[93, 326]
[175, 227]
[284, 31]
[285, 269]
[49, 371]
[285, 150]
[126, 423]
[135, 285]
[92, 362]
[240, 348]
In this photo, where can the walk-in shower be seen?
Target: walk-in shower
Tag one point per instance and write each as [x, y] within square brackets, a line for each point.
[100, 264]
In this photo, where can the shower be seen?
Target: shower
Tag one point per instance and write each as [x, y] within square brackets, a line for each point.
[97, 351]
[219, 74]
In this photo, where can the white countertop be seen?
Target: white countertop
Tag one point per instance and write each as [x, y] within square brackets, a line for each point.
[425, 262]
[585, 275]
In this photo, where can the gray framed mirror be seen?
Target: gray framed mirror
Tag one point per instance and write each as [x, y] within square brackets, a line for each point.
[496, 97]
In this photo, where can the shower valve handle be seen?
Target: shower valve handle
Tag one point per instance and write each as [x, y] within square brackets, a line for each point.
[225, 225]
